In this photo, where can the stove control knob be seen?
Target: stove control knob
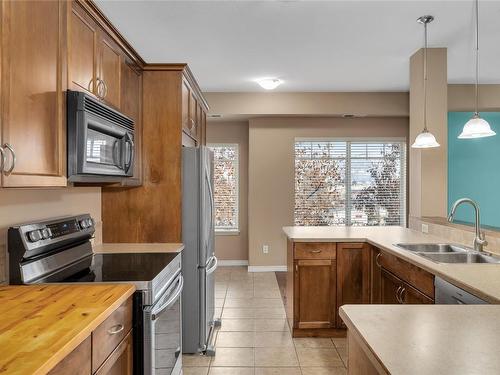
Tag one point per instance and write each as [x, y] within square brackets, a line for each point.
[90, 222]
[34, 236]
[83, 224]
[46, 233]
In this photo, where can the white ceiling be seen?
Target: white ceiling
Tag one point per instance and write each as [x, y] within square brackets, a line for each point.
[310, 45]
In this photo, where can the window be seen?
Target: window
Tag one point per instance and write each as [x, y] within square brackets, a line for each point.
[226, 186]
[350, 182]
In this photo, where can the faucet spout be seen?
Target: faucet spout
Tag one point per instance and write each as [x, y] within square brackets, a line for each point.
[479, 240]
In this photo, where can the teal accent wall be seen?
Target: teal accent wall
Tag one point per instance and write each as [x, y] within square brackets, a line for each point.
[474, 169]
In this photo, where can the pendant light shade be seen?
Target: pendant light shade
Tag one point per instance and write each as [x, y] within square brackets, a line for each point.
[425, 139]
[476, 127]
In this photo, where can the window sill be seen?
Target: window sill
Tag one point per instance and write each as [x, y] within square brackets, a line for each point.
[228, 232]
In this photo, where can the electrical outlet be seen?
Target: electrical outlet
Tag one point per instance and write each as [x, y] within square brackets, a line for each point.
[265, 249]
[425, 228]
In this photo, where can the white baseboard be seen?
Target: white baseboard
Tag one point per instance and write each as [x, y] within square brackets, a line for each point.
[229, 263]
[267, 268]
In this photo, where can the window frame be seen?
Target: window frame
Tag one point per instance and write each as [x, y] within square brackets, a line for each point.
[236, 230]
[349, 140]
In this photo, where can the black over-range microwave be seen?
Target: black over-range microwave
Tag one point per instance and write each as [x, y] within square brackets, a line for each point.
[100, 141]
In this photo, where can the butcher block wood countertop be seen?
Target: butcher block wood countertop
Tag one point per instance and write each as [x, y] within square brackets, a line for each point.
[42, 324]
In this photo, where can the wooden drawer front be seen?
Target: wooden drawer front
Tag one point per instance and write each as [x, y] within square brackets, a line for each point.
[78, 362]
[110, 333]
[120, 362]
[315, 250]
[413, 275]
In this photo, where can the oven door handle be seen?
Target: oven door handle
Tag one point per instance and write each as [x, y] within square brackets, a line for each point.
[157, 311]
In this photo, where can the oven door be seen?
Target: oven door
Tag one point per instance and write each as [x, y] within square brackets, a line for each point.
[162, 332]
[105, 148]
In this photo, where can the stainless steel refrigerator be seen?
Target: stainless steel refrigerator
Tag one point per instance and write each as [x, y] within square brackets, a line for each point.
[198, 258]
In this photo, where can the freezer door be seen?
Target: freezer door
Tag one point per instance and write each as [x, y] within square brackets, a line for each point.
[207, 206]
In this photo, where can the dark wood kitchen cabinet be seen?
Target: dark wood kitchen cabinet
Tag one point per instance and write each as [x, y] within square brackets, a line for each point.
[94, 63]
[193, 117]
[353, 274]
[316, 302]
[396, 291]
[33, 123]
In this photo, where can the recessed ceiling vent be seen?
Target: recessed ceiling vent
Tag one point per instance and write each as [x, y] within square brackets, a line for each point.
[215, 115]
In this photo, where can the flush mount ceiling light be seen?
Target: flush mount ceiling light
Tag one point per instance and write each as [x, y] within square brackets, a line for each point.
[425, 139]
[269, 83]
[476, 127]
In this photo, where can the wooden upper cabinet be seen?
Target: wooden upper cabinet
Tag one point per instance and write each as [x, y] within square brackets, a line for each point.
[109, 70]
[315, 286]
[131, 106]
[82, 51]
[33, 102]
[353, 274]
[94, 58]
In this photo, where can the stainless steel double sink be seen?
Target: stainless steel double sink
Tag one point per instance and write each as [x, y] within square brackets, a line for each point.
[449, 253]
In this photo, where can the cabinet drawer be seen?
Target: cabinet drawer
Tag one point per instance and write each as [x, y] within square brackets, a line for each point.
[120, 361]
[413, 275]
[110, 333]
[315, 250]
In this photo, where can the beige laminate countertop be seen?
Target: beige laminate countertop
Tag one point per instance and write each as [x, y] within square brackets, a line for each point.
[482, 280]
[138, 248]
[428, 339]
[41, 324]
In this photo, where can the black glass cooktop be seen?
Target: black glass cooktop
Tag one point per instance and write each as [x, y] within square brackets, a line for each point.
[124, 267]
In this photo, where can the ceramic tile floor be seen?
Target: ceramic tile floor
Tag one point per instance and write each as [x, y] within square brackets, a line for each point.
[255, 339]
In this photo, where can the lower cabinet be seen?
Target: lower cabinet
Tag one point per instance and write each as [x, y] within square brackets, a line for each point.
[316, 304]
[353, 275]
[323, 276]
[396, 291]
[107, 351]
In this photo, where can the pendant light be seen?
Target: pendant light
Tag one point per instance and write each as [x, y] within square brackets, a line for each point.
[476, 127]
[425, 139]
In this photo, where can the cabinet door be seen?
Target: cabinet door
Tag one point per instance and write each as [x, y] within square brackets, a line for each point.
[390, 287]
[120, 362]
[109, 70]
[353, 274]
[131, 104]
[314, 303]
[82, 51]
[33, 110]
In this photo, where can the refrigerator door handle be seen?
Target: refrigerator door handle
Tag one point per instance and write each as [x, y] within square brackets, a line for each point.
[212, 268]
[212, 204]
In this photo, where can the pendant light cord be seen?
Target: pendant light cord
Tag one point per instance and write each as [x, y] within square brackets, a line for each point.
[477, 60]
[425, 77]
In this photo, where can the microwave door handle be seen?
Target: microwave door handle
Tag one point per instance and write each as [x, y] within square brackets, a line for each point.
[115, 156]
[130, 142]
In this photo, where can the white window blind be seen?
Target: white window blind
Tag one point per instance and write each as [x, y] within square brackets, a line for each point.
[226, 186]
[350, 182]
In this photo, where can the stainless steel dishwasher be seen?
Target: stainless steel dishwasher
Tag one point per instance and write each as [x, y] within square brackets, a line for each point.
[449, 294]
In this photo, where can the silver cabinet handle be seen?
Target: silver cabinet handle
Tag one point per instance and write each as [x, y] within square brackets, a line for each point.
[403, 289]
[9, 147]
[91, 85]
[397, 294]
[105, 86]
[2, 159]
[377, 260]
[99, 88]
[315, 251]
[116, 329]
